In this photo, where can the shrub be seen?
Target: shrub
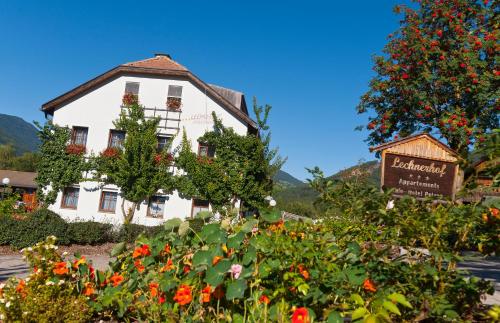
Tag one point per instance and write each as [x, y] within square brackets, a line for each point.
[130, 232]
[90, 232]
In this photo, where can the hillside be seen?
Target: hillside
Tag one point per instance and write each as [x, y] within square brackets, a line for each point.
[303, 193]
[284, 179]
[18, 133]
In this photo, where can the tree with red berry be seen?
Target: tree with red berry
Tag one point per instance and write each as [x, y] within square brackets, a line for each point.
[439, 74]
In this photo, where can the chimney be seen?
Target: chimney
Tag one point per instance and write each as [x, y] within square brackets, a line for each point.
[163, 55]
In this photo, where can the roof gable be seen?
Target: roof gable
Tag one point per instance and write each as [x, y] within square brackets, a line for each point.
[420, 145]
[161, 66]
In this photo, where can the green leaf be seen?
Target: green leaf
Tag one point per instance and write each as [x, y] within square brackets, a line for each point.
[235, 240]
[172, 224]
[183, 228]
[213, 277]
[357, 299]
[250, 256]
[236, 289]
[271, 217]
[118, 249]
[391, 307]
[359, 313]
[335, 317]
[237, 318]
[399, 298]
[249, 225]
[202, 257]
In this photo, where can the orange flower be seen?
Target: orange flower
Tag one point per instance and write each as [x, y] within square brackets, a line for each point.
[79, 262]
[369, 286]
[168, 267]
[216, 260]
[153, 288]
[303, 272]
[186, 269]
[141, 251]
[116, 279]
[300, 315]
[167, 248]
[183, 295]
[88, 290]
[60, 268]
[495, 212]
[205, 294]
[20, 286]
[264, 299]
[485, 217]
[139, 266]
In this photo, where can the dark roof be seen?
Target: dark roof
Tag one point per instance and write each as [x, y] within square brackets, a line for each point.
[411, 138]
[19, 179]
[161, 65]
[235, 97]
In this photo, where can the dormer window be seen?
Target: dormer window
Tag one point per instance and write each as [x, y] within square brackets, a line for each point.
[174, 99]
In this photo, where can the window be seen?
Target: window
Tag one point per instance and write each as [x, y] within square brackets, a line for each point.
[132, 88]
[163, 142]
[174, 98]
[79, 136]
[206, 150]
[156, 206]
[70, 197]
[199, 206]
[108, 201]
[116, 138]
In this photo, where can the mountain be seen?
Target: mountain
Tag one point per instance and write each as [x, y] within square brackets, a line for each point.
[301, 192]
[284, 179]
[18, 133]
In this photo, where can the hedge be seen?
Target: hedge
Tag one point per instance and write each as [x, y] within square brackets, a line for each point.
[26, 231]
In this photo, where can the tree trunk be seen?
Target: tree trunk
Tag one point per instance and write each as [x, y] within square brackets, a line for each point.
[128, 215]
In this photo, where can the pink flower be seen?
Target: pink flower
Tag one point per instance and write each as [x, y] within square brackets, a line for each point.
[236, 270]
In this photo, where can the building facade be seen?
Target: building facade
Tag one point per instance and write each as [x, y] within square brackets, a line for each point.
[167, 90]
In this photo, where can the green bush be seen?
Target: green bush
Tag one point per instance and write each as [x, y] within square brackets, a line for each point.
[38, 226]
[129, 232]
[90, 232]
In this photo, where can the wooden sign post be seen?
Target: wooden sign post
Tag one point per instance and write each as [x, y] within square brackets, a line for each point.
[420, 166]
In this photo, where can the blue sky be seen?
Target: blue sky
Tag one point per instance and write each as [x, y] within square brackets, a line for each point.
[310, 60]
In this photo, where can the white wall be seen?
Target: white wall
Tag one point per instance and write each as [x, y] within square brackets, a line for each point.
[97, 110]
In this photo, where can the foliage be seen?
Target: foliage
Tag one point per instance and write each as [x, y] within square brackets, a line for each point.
[258, 270]
[438, 73]
[489, 150]
[134, 169]
[44, 296]
[26, 162]
[242, 168]
[130, 232]
[8, 204]
[57, 168]
[370, 215]
[90, 233]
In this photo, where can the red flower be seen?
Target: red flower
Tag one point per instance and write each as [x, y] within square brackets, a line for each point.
[439, 33]
[60, 268]
[216, 260]
[116, 279]
[141, 251]
[168, 267]
[130, 98]
[167, 248]
[110, 152]
[405, 76]
[264, 299]
[138, 264]
[301, 315]
[183, 295]
[74, 149]
[463, 65]
[161, 299]
[205, 294]
[153, 289]
[369, 286]
[186, 269]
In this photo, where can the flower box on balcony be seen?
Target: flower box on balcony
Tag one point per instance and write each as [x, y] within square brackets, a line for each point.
[130, 98]
[174, 103]
[75, 149]
[110, 152]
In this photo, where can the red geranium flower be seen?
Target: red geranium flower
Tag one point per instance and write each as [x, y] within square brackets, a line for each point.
[301, 315]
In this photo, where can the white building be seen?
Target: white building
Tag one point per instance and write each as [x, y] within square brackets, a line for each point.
[91, 108]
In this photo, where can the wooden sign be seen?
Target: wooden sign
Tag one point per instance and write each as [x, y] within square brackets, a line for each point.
[419, 177]
[420, 166]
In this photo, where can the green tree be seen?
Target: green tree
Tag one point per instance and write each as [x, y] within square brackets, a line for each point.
[138, 169]
[26, 162]
[439, 73]
[58, 166]
[241, 170]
